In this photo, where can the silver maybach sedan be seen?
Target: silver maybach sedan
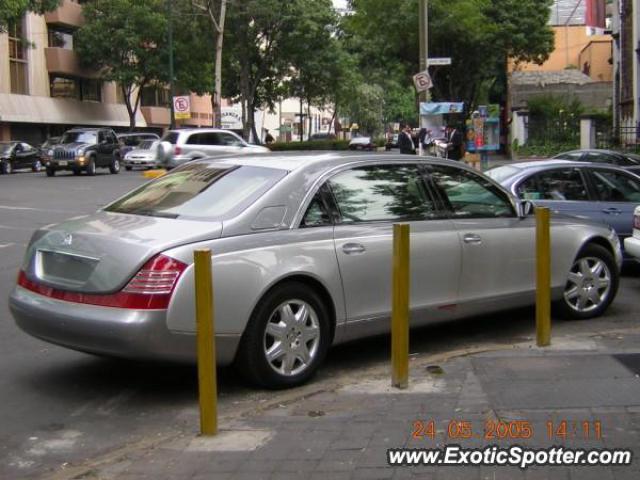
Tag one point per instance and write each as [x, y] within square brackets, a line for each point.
[301, 259]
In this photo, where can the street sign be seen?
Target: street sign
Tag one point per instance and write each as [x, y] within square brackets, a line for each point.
[182, 107]
[439, 61]
[422, 81]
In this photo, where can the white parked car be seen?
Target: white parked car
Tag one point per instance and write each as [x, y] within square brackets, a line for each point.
[632, 244]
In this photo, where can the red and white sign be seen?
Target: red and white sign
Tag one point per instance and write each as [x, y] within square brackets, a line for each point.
[422, 81]
[182, 107]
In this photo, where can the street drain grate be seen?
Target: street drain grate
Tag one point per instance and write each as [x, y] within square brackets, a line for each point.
[630, 360]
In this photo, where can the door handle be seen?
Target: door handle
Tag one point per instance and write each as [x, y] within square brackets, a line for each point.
[353, 248]
[612, 211]
[472, 238]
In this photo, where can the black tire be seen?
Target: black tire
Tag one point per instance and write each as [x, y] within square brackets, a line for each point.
[127, 168]
[114, 166]
[91, 167]
[51, 172]
[590, 254]
[7, 167]
[37, 166]
[251, 359]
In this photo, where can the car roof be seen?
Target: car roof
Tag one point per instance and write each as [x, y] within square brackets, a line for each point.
[292, 161]
[593, 150]
[133, 134]
[544, 164]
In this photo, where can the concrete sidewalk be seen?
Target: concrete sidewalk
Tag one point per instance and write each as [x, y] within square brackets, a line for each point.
[344, 431]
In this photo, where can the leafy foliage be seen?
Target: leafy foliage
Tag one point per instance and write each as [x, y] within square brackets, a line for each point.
[126, 41]
[12, 10]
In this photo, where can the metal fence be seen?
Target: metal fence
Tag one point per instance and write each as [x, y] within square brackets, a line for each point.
[552, 131]
[622, 138]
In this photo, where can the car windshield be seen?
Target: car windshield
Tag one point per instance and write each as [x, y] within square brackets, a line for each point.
[146, 145]
[171, 137]
[500, 174]
[5, 147]
[199, 191]
[79, 137]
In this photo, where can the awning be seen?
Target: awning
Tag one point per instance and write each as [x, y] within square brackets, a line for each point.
[440, 108]
[32, 109]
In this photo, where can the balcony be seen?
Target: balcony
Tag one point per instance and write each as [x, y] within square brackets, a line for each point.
[156, 116]
[68, 14]
[65, 62]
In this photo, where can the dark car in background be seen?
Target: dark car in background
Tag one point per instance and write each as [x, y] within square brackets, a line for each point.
[85, 149]
[594, 191]
[628, 161]
[16, 155]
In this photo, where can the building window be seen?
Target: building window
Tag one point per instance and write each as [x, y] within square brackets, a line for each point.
[60, 38]
[91, 90]
[62, 87]
[155, 96]
[17, 59]
[85, 89]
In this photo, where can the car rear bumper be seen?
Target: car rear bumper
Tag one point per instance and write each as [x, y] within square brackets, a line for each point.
[632, 247]
[139, 334]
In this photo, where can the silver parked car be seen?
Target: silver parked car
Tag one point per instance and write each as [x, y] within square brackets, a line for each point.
[183, 145]
[302, 249]
[144, 155]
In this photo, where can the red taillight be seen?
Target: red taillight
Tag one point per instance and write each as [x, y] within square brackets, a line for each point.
[177, 150]
[149, 289]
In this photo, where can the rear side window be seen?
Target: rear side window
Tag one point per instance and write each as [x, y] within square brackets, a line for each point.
[171, 137]
[199, 191]
[616, 186]
[382, 193]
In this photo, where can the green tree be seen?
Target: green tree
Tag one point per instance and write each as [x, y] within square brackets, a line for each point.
[12, 10]
[126, 42]
[270, 44]
[479, 35]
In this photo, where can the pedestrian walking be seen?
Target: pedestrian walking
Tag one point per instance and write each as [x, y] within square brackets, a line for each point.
[405, 141]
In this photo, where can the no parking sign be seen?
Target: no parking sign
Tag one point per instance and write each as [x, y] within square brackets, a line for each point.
[182, 107]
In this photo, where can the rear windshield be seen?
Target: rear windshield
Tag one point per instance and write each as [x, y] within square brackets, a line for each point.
[501, 173]
[199, 191]
[171, 137]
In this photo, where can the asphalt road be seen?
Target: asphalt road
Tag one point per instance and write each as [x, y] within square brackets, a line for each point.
[59, 407]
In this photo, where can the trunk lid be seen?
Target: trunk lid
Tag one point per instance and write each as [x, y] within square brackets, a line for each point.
[99, 253]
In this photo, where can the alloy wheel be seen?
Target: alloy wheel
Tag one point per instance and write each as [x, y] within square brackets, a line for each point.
[292, 337]
[588, 284]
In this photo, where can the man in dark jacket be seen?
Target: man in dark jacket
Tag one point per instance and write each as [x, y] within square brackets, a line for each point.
[454, 143]
[405, 141]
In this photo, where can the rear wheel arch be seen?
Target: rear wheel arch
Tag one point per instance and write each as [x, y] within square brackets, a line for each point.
[314, 284]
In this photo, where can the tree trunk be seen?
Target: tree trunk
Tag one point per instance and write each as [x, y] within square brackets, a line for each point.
[309, 119]
[126, 93]
[217, 94]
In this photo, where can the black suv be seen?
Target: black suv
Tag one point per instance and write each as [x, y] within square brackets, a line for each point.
[84, 149]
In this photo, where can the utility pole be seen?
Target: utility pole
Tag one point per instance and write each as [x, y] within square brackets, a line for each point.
[424, 42]
[172, 122]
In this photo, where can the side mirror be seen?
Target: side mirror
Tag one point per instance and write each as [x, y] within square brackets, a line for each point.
[526, 208]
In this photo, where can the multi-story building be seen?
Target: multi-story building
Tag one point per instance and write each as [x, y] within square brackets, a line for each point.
[626, 32]
[44, 90]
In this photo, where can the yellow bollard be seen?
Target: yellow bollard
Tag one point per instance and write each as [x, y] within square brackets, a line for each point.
[206, 343]
[154, 173]
[400, 307]
[543, 277]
